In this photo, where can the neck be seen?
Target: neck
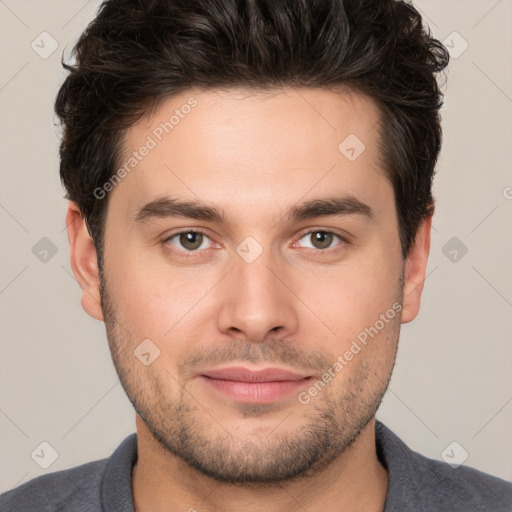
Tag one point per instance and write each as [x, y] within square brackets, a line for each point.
[356, 480]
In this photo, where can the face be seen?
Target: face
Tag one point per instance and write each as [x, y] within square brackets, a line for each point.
[246, 238]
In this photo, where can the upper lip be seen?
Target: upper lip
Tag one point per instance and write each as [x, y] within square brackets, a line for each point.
[241, 374]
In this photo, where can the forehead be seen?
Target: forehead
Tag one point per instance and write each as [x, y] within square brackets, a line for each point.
[246, 149]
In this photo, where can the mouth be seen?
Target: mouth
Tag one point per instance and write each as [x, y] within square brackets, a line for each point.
[254, 386]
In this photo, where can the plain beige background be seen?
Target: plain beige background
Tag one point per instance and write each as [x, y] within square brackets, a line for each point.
[453, 378]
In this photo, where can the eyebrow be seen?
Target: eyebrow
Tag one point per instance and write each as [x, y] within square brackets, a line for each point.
[173, 207]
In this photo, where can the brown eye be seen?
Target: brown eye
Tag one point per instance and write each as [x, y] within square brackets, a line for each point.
[189, 241]
[321, 239]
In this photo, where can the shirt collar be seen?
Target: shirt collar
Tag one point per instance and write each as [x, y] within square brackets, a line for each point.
[116, 489]
[392, 452]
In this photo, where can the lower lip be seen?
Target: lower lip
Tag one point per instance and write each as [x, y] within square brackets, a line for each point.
[256, 392]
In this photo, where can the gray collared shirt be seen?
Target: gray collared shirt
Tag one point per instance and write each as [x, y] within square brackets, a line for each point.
[416, 484]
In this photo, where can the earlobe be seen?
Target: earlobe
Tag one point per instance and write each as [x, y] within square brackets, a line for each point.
[415, 269]
[84, 262]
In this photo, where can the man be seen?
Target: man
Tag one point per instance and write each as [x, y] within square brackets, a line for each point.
[250, 211]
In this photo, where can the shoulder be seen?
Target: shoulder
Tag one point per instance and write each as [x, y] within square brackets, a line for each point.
[91, 487]
[75, 489]
[419, 483]
[463, 488]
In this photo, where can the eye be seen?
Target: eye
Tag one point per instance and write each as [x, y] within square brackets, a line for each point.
[191, 241]
[321, 239]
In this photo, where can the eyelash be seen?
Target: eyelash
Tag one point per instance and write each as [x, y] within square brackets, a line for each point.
[188, 254]
[185, 253]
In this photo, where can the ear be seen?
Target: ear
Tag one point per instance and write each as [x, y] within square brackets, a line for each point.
[84, 261]
[414, 273]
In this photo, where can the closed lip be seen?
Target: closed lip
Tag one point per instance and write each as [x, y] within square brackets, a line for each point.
[241, 374]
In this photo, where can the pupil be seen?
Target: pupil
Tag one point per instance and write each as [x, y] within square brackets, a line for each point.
[322, 239]
[191, 240]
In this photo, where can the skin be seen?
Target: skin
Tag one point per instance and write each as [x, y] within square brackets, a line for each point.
[299, 305]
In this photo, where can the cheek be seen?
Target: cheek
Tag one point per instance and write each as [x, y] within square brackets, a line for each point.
[155, 300]
[354, 295]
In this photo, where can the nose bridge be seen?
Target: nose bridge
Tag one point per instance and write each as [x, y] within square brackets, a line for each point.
[255, 298]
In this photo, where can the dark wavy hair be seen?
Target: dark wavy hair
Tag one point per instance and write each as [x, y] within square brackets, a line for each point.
[136, 53]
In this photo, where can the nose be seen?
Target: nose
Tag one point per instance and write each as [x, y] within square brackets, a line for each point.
[258, 300]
